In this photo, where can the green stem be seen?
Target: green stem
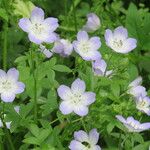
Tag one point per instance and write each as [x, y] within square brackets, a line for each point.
[74, 16]
[5, 46]
[83, 124]
[54, 121]
[33, 65]
[6, 130]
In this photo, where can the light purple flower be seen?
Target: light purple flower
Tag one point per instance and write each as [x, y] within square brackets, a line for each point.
[84, 141]
[9, 85]
[99, 68]
[119, 41]
[17, 109]
[39, 29]
[143, 104]
[63, 47]
[135, 88]
[75, 99]
[133, 125]
[87, 47]
[92, 24]
[45, 51]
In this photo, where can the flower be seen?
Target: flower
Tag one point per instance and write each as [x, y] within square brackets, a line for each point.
[119, 41]
[9, 85]
[92, 24]
[75, 99]
[39, 29]
[136, 89]
[87, 48]
[133, 125]
[45, 51]
[17, 109]
[63, 47]
[84, 141]
[143, 104]
[99, 68]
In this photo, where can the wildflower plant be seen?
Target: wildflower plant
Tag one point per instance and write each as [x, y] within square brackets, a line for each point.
[74, 75]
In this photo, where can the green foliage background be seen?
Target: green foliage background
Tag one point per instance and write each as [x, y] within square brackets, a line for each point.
[54, 131]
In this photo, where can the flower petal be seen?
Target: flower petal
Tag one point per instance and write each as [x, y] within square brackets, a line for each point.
[121, 119]
[91, 55]
[82, 35]
[120, 33]
[95, 41]
[34, 39]
[20, 87]
[129, 45]
[47, 53]
[136, 82]
[2, 74]
[51, 23]
[65, 107]
[75, 145]
[78, 86]
[25, 24]
[145, 126]
[37, 15]
[7, 97]
[13, 73]
[81, 110]
[81, 136]
[93, 136]
[88, 98]
[64, 92]
[50, 38]
[108, 37]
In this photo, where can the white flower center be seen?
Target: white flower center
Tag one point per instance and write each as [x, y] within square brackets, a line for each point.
[76, 99]
[117, 43]
[37, 28]
[84, 46]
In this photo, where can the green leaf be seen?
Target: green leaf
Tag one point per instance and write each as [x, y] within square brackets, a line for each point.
[3, 14]
[62, 68]
[31, 140]
[34, 130]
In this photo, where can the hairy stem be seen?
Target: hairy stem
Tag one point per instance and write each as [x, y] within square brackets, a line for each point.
[33, 67]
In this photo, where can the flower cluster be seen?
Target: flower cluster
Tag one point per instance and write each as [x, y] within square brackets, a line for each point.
[140, 95]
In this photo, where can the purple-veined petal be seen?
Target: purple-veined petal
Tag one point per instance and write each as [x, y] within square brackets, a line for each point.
[136, 82]
[93, 136]
[81, 110]
[82, 35]
[66, 107]
[145, 126]
[34, 39]
[78, 86]
[7, 97]
[47, 53]
[64, 92]
[37, 15]
[81, 136]
[50, 38]
[108, 37]
[25, 24]
[120, 118]
[51, 23]
[75, 145]
[95, 41]
[92, 55]
[20, 87]
[88, 98]
[121, 33]
[13, 73]
[129, 45]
